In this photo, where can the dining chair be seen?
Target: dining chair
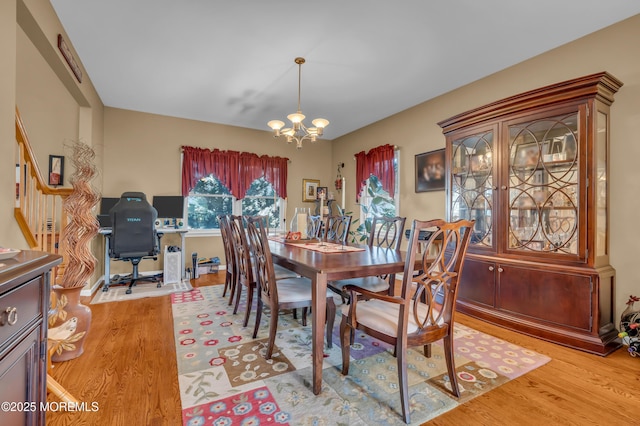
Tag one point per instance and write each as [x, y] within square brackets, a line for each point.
[277, 295]
[227, 242]
[386, 232]
[337, 229]
[245, 265]
[280, 271]
[410, 319]
[314, 226]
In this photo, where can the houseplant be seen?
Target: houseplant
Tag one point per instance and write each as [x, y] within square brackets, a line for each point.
[378, 203]
[69, 319]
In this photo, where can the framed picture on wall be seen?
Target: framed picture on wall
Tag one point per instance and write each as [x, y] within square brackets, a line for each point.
[310, 189]
[56, 170]
[322, 192]
[430, 171]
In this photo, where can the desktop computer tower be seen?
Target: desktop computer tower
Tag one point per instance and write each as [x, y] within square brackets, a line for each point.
[172, 266]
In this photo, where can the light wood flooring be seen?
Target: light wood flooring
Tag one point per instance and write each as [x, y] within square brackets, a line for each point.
[129, 369]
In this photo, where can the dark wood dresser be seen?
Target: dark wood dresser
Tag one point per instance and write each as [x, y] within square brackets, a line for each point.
[24, 302]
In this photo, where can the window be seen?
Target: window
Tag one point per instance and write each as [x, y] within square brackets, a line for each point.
[261, 201]
[375, 201]
[209, 198]
[219, 182]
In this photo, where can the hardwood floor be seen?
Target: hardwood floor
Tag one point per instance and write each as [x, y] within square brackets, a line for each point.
[129, 369]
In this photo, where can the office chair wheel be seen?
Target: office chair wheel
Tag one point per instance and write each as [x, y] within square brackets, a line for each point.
[105, 288]
[159, 284]
[128, 291]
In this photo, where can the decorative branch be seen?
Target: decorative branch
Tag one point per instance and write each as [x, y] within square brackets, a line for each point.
[83, 225]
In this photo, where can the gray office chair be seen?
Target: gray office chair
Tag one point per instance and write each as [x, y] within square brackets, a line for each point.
[133, 236]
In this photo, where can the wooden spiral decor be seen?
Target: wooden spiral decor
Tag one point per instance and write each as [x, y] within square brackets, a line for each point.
[83, 225]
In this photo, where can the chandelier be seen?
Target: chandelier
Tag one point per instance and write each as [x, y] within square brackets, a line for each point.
[298, 131]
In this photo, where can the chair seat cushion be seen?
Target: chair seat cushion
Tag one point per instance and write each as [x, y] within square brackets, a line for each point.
[383, 316]
[375, 284]
[295, 290]
[282, 272]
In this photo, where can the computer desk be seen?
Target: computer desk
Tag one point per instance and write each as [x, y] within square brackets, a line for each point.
[161, 231]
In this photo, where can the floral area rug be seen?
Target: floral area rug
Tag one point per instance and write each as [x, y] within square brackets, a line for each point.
[225, 379]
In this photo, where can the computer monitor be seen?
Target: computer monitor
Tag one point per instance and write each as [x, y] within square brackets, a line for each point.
[106, 203]
[169, 206]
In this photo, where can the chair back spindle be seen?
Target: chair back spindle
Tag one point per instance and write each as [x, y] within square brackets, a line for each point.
[437, 286]
[387, 232]
[314, 226]
[337, 228]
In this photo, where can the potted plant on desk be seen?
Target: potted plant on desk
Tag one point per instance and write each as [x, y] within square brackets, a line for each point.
[69, 320]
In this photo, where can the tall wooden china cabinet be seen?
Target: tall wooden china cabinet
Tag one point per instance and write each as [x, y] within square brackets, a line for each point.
[533, 171]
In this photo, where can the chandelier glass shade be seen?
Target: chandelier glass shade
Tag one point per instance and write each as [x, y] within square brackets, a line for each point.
[298, 132]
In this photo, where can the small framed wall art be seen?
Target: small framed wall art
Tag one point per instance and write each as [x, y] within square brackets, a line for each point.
[56, 170]
[322, 192]
[310, 190]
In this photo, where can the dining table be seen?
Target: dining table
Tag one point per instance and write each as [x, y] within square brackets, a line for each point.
[323, 264]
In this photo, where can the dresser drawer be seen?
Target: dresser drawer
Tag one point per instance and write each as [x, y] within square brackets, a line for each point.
[19, 307]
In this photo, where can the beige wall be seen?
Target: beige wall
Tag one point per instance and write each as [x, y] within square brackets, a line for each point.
[47, 109]
[614, 49]
[10, 235]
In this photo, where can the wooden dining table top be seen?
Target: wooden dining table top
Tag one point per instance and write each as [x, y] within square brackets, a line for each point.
[338, 265]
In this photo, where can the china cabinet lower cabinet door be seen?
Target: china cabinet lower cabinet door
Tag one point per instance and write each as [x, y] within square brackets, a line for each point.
[478, 283]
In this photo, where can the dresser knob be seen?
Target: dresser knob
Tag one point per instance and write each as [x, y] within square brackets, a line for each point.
[12, 316]
[500, 270]
[491, 268]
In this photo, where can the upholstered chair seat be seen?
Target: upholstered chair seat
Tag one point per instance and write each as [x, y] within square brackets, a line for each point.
[383, 317]
[292, 290]
[375, 284]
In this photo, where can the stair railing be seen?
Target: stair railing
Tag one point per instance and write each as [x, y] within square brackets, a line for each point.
[38, 209]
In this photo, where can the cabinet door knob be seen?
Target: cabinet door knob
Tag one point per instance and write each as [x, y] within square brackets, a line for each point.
[491, 268]
[12, 316]
[504, 187]
[500, 269]
[495, 188]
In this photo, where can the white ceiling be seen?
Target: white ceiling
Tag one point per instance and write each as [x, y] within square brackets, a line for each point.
[232, 62]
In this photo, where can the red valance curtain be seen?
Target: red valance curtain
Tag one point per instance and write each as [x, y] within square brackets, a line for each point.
[235, 170]
[379, 162]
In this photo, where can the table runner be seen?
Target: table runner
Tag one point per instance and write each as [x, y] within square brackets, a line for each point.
[322, 246]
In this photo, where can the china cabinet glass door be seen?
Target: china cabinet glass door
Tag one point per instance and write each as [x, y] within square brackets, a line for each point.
[543, 196]
[472, 185]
